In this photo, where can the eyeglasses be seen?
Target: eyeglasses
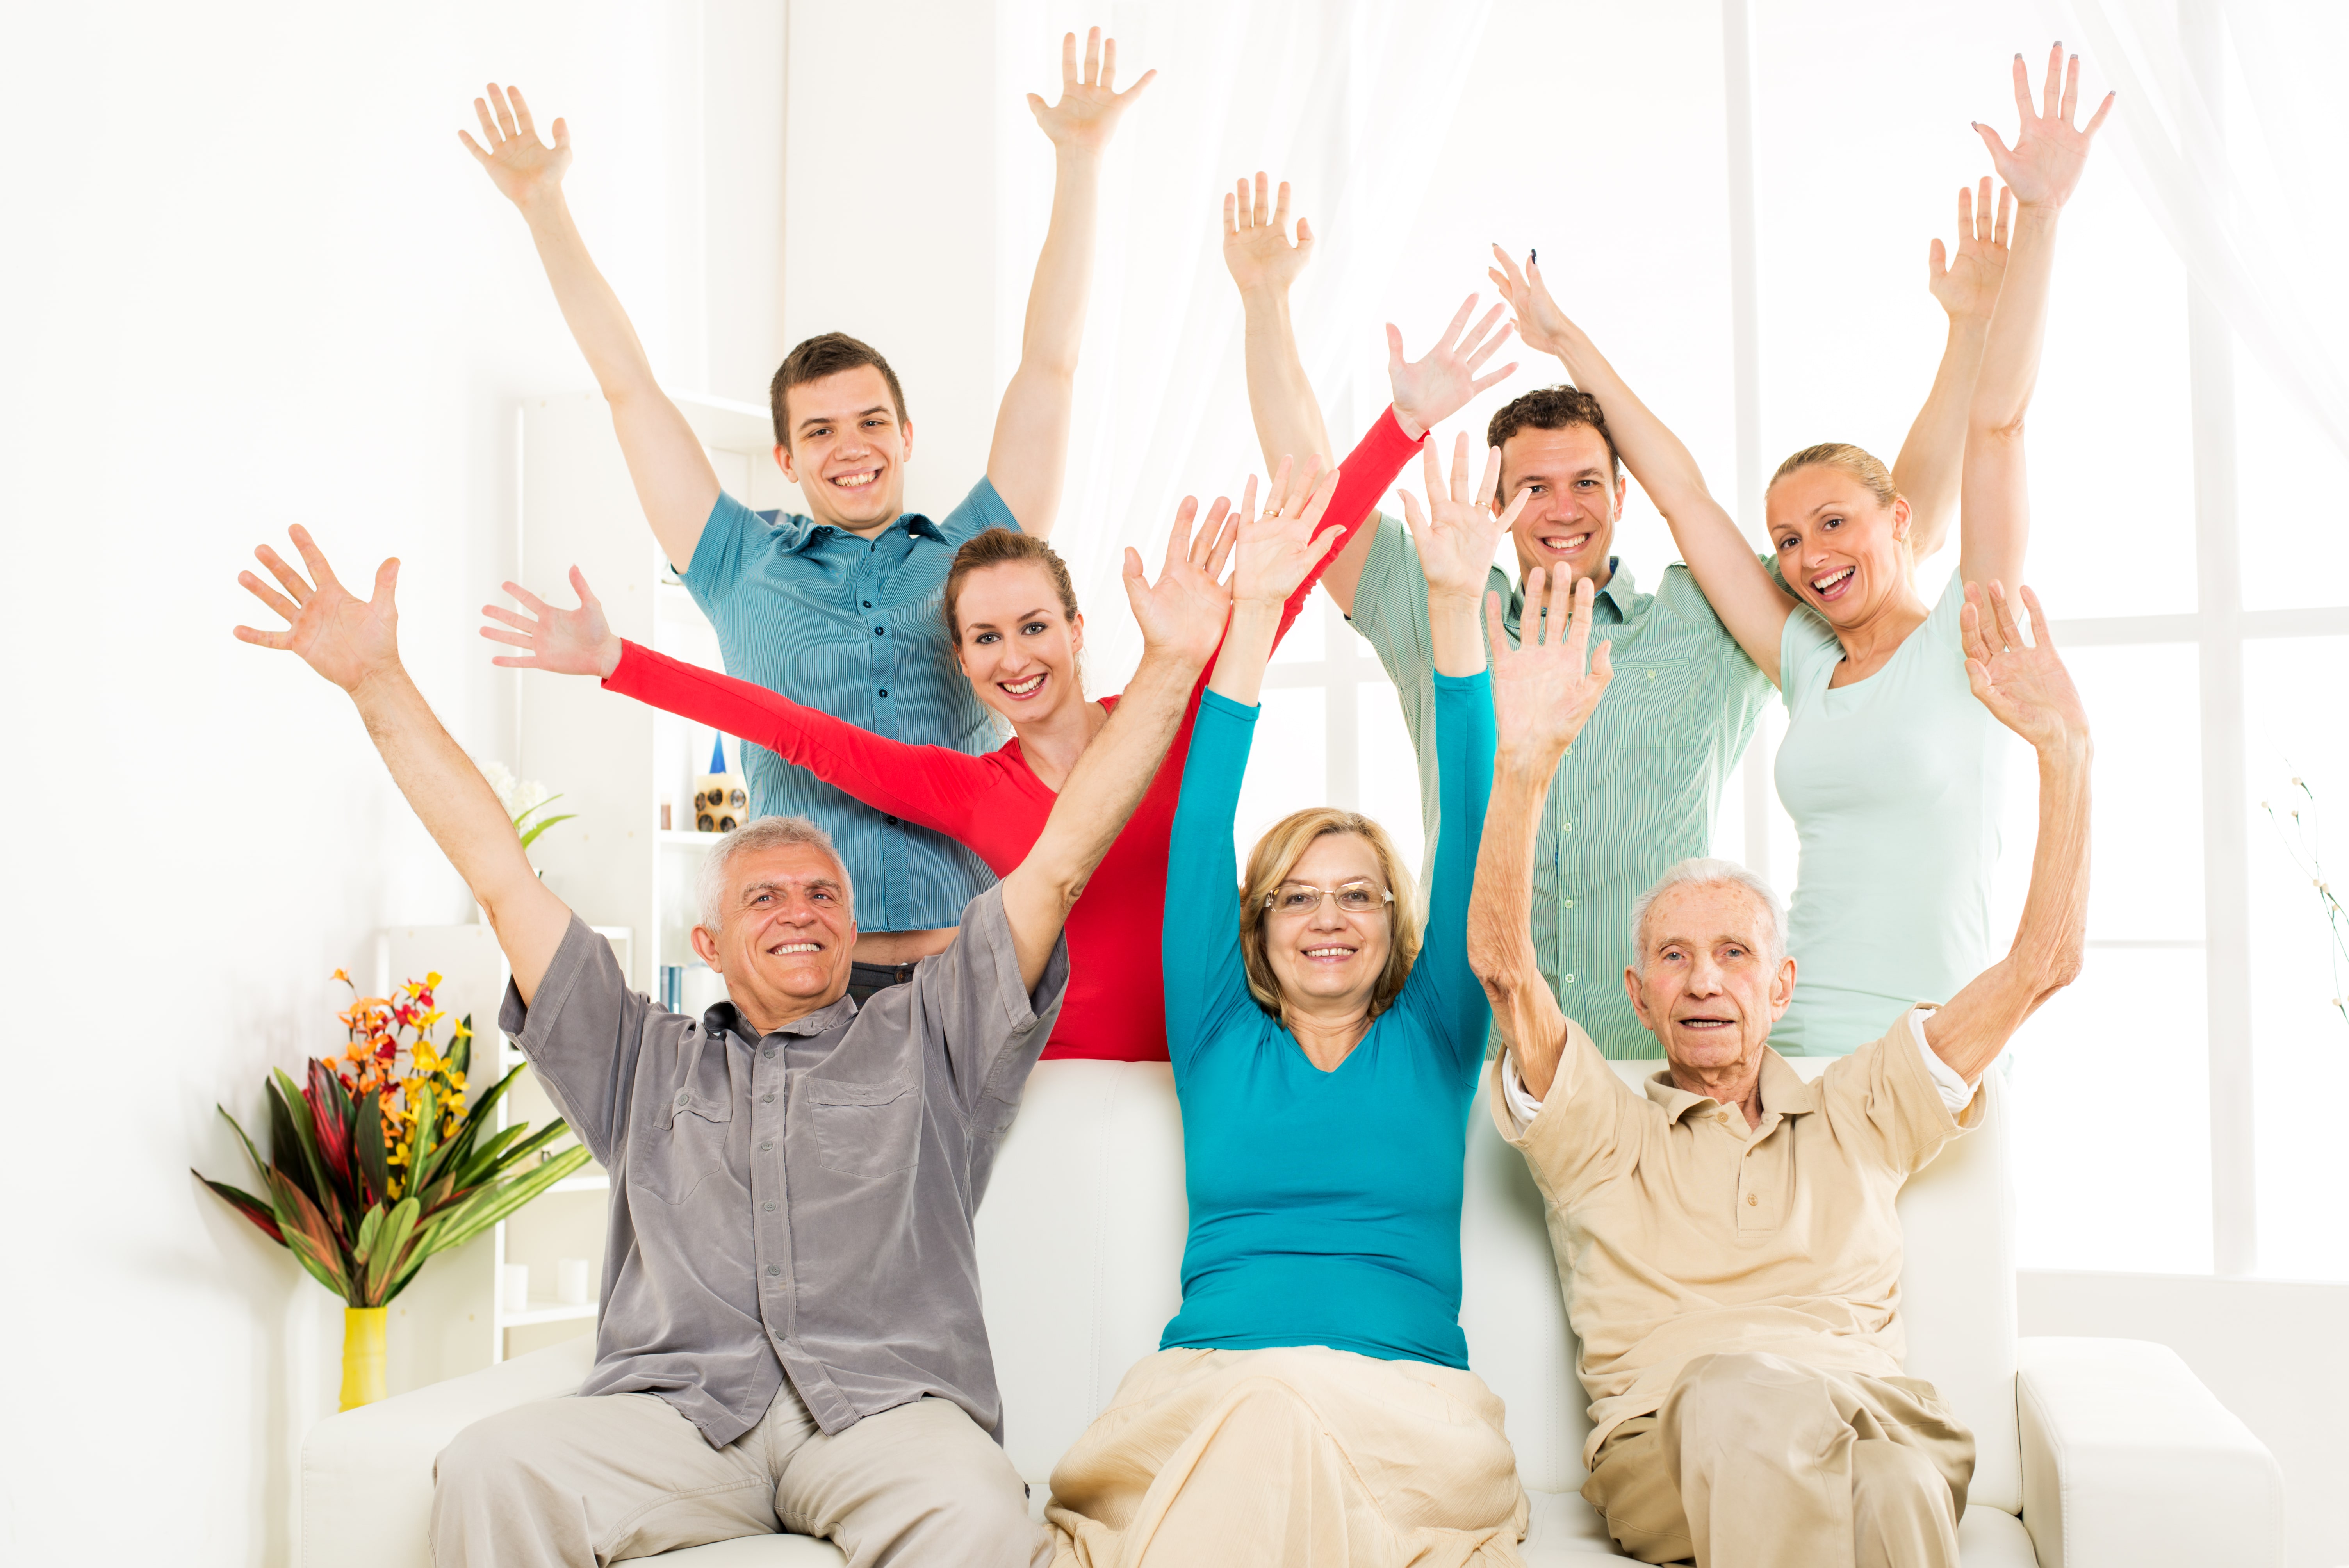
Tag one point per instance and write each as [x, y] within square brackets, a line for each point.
[1304, 898]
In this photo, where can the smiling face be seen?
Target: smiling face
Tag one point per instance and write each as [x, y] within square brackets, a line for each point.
[848, 448]
[785, 933]
[1016, 642]
[1840, 549]
[1327, 958]
[1573, 500]
[1705, 983]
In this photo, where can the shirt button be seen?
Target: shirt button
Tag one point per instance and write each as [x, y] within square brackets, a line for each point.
[769, 1054]
[769, 1207]
[683, 1098]
[1652, 675]
[880, 630]
[1569, 904]
[891, 821]
[1565, 827]
[868, 603]
[1569, 979]
[774, 1268]
[768, 1100]
[884, 691]
[764, 1147]
[1751, 1200]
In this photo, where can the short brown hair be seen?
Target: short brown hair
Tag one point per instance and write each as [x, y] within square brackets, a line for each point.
[1269, 865]
[826, 354]
[1002, 547]
[1553, 408]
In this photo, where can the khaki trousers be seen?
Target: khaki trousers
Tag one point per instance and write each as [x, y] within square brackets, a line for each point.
[1302, 1458]
[1757, 1462]
[599, 1478]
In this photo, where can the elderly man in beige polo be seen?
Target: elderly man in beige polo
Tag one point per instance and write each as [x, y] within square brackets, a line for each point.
[1726, 1239]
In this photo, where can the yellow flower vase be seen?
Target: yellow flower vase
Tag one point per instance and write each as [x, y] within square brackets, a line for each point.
[362, 1355]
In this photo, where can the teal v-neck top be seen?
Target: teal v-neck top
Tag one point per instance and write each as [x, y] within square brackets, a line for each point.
[1325, 1206]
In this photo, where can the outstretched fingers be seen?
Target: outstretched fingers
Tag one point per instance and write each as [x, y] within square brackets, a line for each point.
[269, 596]
[296, 587]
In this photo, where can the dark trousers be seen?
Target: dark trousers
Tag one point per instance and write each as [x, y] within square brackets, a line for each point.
[865, 979]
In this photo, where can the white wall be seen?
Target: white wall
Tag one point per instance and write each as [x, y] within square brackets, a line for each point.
[252, 279]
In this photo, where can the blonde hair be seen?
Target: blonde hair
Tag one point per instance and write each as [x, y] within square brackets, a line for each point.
[1857, 464]
[1276, 856]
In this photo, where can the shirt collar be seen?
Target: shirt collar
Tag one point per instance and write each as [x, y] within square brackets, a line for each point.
[722, 1018]
[1784, 1092]
[810, 532]
[1621, 591]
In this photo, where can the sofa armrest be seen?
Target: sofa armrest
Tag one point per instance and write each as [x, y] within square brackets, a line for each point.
[367, 1474]
[2129, 1461]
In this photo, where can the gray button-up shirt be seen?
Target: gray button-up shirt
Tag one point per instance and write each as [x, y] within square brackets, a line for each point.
[798, 1203]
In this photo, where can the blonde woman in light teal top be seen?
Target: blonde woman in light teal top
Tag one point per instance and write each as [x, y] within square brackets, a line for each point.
[1889, 767]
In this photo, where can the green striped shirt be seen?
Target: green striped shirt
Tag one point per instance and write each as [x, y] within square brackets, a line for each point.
[1636, 792]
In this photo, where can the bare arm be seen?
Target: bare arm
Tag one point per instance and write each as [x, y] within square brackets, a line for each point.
[1029, 459]
[1182, 614]
[2043, 170]
[1752, 606]
[1456, 535]
[1933, 454]
[675, 483]
[1542, 697]
[2032, 694]
[1271, 555]
[354, 642]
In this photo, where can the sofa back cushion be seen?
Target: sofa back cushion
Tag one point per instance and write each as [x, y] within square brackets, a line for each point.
[1081, 1251]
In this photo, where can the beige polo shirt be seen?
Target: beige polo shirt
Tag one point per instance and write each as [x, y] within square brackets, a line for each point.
[1681, 1232]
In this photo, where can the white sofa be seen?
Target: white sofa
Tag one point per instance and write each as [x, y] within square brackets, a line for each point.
[2093, 1453]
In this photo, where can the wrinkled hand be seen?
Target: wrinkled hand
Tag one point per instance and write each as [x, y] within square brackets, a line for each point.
[1182, 614]
[1087, 115]
[343, 637]
[2042, 169]
[1256, 247]
[520, 166]
[1544, 692]
[568, 642]
[1540, 324]
[1275, 552]
[2025, 686]
[1430, 391]
[1457, 533]
[1968, 285]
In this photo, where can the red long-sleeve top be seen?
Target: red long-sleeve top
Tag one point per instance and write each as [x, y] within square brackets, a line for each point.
[994, 804]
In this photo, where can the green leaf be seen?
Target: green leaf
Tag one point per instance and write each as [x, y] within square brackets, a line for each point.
[370, 1230]
[460, 1046]
[245, 1204]
[483, 1160]
[259, 1169]
[389, 1247]
[532, 836]
[374, 1160]
[519, 1155]
[422, 1137]
[314, 1246]
[491, 1204]
[320, 1187]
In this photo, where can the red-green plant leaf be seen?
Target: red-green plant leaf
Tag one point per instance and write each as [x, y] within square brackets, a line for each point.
[330, 1128]
[245, 1204]
[319, 1186]
[308, 1237]
[491, 1204]
[285, 1154]
[259, 1169]
[374, 1160]
[389, 1248]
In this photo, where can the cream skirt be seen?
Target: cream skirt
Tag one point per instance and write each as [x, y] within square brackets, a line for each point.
[1306, 1457]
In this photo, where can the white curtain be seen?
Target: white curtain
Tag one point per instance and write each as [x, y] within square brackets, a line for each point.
[1351, 102]
[2232, 124]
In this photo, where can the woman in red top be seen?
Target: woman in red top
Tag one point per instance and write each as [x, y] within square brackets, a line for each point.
[1012, 616]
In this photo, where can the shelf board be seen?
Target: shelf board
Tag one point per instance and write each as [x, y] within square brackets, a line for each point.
[546, 1312]
[590, 1182]
[686, 838]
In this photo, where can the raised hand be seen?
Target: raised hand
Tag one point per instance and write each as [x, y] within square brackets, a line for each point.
[1546, 688]
[1457, 532]
[568, 642]
[343, 637]
[1431, 389]
[520, 166]
[1087, 115]
[1968, 284]
[1273, 552]
[2042, 168]
[1540, 324]
[2024, 685]
[1182, 614]
[1256, 246]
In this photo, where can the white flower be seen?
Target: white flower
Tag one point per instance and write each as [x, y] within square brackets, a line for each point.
[516, 795]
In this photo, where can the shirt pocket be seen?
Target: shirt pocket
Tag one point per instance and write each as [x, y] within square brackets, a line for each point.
[866, 1131]
[1654, 706]
[687, 1145]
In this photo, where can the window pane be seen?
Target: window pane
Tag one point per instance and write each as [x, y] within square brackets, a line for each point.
[2299, 1041]
[2292, 498]
[1286, 771]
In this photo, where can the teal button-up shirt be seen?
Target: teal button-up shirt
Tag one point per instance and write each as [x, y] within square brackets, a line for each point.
[1635, 793]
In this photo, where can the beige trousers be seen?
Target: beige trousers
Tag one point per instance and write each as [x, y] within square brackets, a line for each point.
[1757, 1462]
[1304, 1458]
[596, 1480]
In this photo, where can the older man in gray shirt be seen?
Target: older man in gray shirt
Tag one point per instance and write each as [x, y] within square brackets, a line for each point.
[790, 1335]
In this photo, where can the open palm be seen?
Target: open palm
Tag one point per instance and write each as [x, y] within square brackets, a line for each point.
[1457, 533]
[520, 165]
[1968, 284]
[1431, 389]
[1258, 250]
[343, 637]
[2043, 165]
[1540, 324]
[2025, 686]
[1183, 613]
[568, 642]
[1087, 115]
[1546, 688]
[1275, 551]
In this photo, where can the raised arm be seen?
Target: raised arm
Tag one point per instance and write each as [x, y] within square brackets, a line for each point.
[2042, 169]
[1933, 453]
[1180, 614]
[675, 483]
[2031, 692]
[1029, 457]
[1271, 555]
[1752, 606]
[934, 786]
[355, 644]
[1456, 535]
[1544, 692]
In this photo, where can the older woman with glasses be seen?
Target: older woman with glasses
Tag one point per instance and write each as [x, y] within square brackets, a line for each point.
[1312, 1402]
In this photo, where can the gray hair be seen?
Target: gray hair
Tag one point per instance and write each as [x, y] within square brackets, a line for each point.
[765, 833]
[1699, 871]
